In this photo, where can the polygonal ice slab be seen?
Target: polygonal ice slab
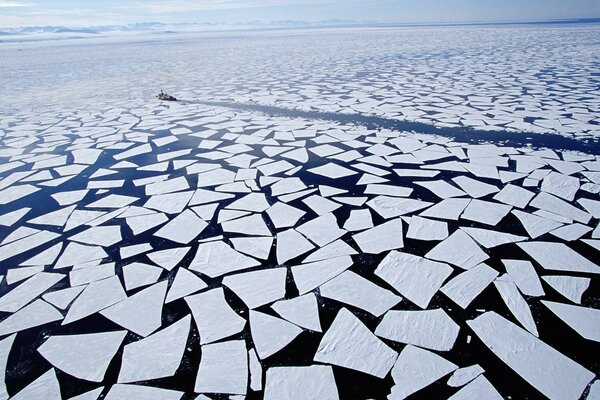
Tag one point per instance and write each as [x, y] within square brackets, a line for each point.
[213, 316]
[294, 383]
[258, 287]
[159, 355]
[416, 278]
[415, 369]
[125, 392]
[45, 387]
[431, 329]
[350, 344]
[83, 356]
[524, 354]
[458, 249]
[387, 236]
[302, 311]
[271, 334]
[223, 368]
[217, 258]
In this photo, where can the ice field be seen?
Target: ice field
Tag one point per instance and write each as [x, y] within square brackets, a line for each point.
[362, 213]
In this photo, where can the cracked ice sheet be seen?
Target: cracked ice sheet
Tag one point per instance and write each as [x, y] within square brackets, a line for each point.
[458, 249]
[414, 277]
[559, 257]
[349, 343]
[258, 287]
[524, 354]
[217, 258]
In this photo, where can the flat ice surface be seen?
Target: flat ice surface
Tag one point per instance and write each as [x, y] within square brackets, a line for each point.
[414, 277]
[349, 343]
[458, 249]
[558, 257]
[271, 334]
[584, 320]
[464, 288]
[431, 329]
[223, 368]
[291, 383]
[258, 287]
[479, 388]
[524, 354]
[84, 356]
[415, 369]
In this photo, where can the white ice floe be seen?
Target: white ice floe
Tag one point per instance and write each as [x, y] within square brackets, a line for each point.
[485, 212]
[479, 388]
[309, 276]
[256, 288]
[450, 209]
[473, 187]
[321, 230]
[84, 356]
[157, 356]
[252, 225]
[27, 291]
[217, 258]
[490, 238]
[302, 311]
[523, 274]
[293, 383]
[255, 202]
[35, 314]
[391, 207]
[358, 220]
[514, 195]
[431, 329]
[583, 320]
[95, 297]
[441, 189]
[426, 229]
[415, 369]
[76, 253]
[182, 229]
[256, 371]
[170, 203]
[458, 249]
[291, 244]
[185, 283]
[142, 223]
[45, 387]
[560, 185]
[168, 258]
[572, 287]
[571, 232]
[524, 354]
[332, 170]
[271, 334]
[349, 343]
[258, 247]
[62, 298]
[462, 376]
[124, 392]
[334, 249]
[283, 215]
[387, 236]
[548, 202]
[350, 288]
[223, 368]
[140, 313]
[140, 274]
[22, 245]
[321, 205]
[535, 225]
[213, 316]
[134, 250]
[414, 277]
[515, 303]
[464, 288]
[559, 257]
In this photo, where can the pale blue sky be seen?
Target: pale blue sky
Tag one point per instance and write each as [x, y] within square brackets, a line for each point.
[15, 13]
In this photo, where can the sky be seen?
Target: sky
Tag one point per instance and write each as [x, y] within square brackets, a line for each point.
[16, 13]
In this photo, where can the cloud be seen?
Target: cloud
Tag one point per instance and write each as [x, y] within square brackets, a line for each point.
[14, 4]
[181, 6]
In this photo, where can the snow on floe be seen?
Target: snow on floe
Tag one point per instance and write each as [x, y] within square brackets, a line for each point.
[213, 316]
[426, 229]
[302, 311]
[458, 249]
[44, 387]
[431, 329]
[271, 334]
[352, 289]
[415, 369]
[523, 274]
[217, 258]
[462, 376]
[387, 236]
[479, 388]
[311, 275]
[572, 287]
[5, 347]
[28, 290]
[585, 321]
[349, 343]
[258, 287]
[35, 314]
[516, 303]
[524, 354]
[416, 278]
[465, 287]
[122, 392]
[559, 257]
[83, 356]
[223, 368]
[156, 356]
[311, 382]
